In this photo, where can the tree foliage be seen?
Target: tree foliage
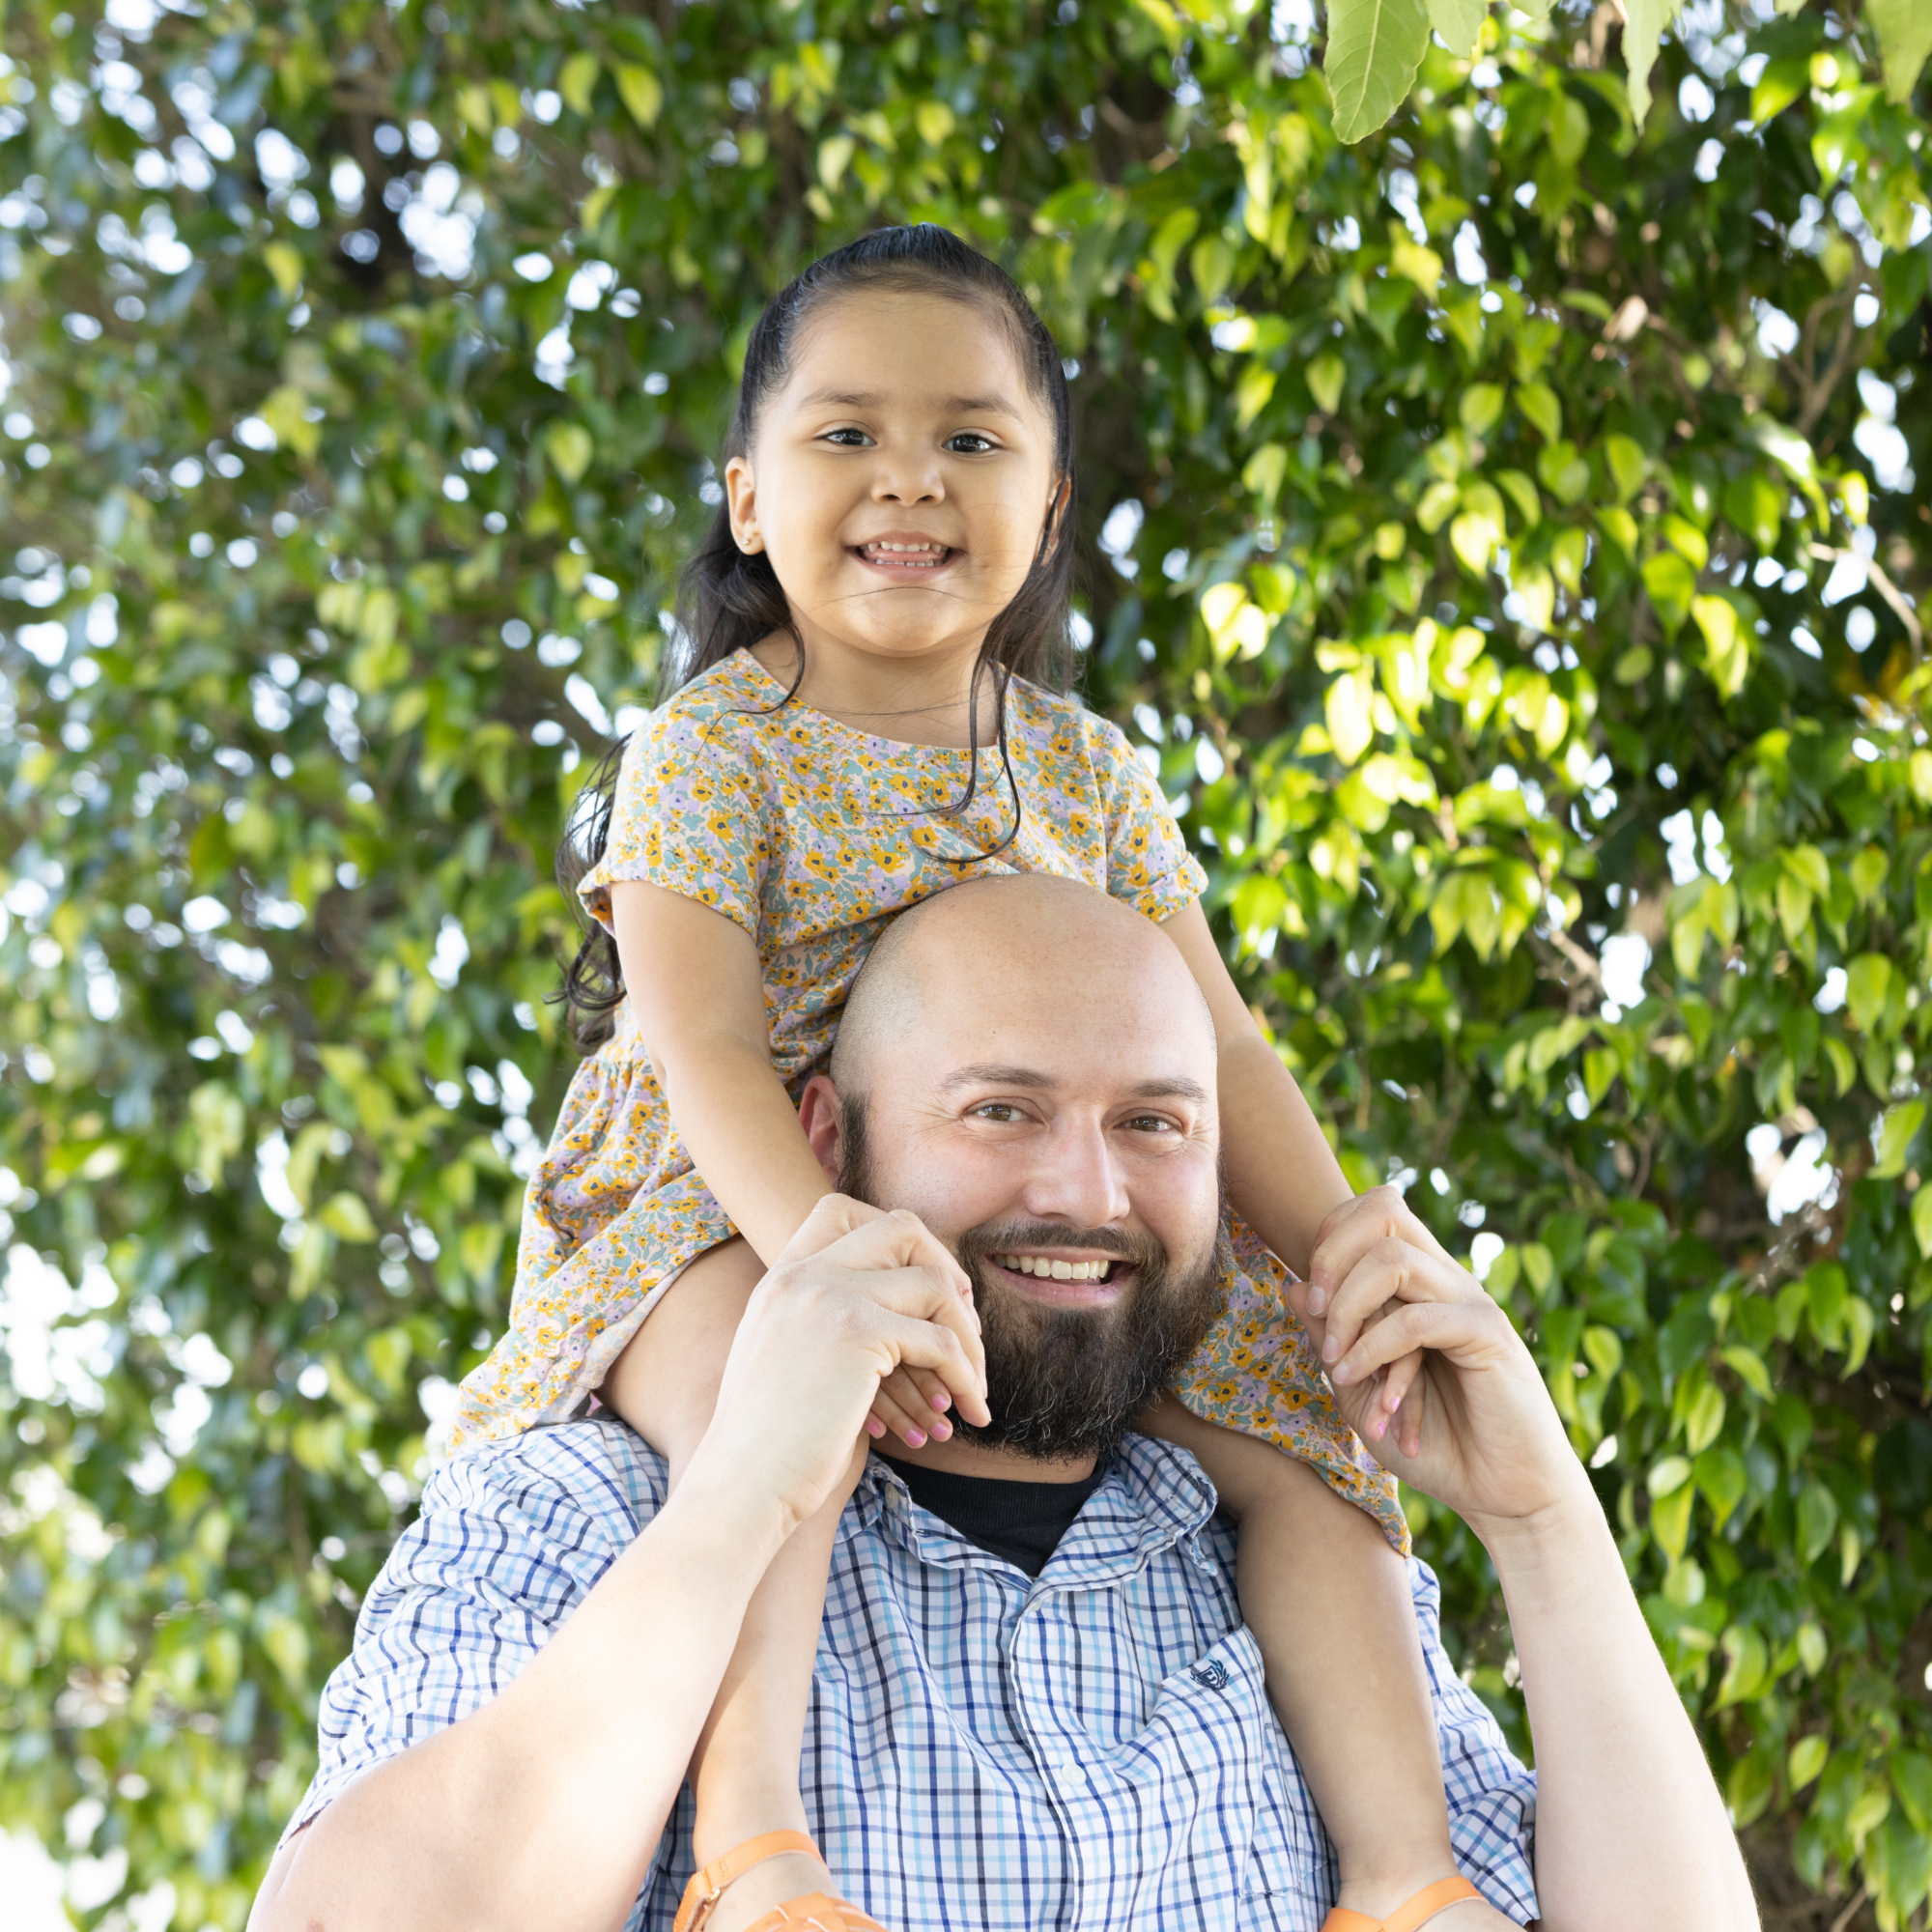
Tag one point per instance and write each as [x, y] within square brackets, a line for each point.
[1502, 533]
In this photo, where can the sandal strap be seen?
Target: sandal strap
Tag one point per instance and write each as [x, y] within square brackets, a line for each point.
[1410, 1914]
[702, 1894]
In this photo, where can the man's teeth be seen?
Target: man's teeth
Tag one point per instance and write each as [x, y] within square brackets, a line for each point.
[1040, 1264]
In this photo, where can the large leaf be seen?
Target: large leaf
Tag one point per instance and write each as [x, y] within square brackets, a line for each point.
[1904, 30]
[1375, 47]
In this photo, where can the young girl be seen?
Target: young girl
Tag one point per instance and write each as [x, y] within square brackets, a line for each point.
[865, 713]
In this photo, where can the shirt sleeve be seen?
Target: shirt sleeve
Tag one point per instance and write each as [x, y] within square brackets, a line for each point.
[511, 1539]
[1149, 864]
[687, 816]
[1491, 1794]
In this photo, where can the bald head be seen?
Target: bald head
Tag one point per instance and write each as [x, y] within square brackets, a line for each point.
[1026, 947]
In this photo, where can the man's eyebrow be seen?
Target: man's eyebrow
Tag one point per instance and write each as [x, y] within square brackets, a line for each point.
[1174, 1087]
[871, 399]
[1166, 1087]
[987, 1075]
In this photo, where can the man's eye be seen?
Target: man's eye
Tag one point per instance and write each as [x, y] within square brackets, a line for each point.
[981, 444]
[1150, 1124]
[1002, 1110]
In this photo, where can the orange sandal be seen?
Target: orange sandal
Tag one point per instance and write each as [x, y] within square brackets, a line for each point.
[813, 1912]
[1408, 1916]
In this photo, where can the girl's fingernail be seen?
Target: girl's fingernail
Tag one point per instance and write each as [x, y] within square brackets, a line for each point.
[874, 1428]
[941, 1400]
[915, 1438]
[940, 1430]
[1331, 1347]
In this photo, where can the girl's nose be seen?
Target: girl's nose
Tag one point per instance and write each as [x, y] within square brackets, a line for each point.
[907, 479]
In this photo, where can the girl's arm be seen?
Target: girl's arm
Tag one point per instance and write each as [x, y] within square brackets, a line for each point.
[696, 987]
[1326, 1597]
[698, 992]
[1281, 1176]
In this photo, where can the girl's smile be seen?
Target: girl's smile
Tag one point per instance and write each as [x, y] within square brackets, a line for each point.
[905, 554]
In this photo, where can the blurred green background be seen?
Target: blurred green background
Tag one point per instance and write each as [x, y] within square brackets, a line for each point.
[1506, 535]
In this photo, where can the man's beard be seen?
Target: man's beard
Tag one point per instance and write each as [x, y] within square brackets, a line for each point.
[1068, 1382]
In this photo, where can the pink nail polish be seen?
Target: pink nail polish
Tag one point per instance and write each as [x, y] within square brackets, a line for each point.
[916, 1439]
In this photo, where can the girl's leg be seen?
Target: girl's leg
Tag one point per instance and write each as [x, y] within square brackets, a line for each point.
[1328, 1602]
[744, 1772]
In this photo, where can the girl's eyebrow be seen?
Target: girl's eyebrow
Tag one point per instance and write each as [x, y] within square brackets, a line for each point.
[867, 399]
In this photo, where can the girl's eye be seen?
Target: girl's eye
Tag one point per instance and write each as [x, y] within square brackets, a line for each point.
[981, 444]
[857, 438]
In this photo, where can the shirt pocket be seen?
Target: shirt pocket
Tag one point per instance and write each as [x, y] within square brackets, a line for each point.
[1200, 1825]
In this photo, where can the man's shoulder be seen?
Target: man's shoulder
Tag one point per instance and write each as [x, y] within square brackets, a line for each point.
[569, 1479]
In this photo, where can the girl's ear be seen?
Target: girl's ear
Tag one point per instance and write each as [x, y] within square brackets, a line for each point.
[741, 494]
[1055, 508]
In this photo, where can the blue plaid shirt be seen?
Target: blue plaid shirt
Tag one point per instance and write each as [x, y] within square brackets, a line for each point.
[1092, 1749]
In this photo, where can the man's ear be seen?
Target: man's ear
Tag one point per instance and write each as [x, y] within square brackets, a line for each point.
[818, 1114]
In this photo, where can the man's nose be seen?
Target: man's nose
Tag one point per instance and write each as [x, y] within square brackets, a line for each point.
[1079, 1182]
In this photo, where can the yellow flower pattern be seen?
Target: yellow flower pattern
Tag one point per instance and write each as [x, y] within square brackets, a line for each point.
[812, 836]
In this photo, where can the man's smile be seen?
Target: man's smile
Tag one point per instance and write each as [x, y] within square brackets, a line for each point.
[1064, 1280]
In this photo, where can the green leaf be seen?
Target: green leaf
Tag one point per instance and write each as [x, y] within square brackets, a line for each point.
[1325, 376]
[1808, 1754]
[642, 92]
[1375, 47]
[1897, 1131]
[1672, 584]
[570, 450]
[1912, 1779]
[1668, 1476]
[1867, 980]
[1817, 1519]
[1459, 22]
[1643, 30]
[1904, 30]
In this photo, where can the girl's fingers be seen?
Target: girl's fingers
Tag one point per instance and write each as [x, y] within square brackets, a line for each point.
[1423, 1324]
[930, 1390]
[886, 1409]
[914, 1390]
[1398, 1380]
[1355, 1229]
[1408, 1419]
[1388, 1271]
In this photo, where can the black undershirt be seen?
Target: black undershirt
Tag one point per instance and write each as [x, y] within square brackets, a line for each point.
[1021, 1522]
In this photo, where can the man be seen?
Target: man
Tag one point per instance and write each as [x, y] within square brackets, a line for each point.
[1043, 1712]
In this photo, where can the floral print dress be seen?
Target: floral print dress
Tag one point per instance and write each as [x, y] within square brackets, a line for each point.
[812, 836]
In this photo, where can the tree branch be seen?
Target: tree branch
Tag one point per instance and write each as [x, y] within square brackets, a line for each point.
[1901, 605]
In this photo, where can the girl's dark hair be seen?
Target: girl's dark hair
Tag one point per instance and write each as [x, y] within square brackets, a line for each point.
[729, 598]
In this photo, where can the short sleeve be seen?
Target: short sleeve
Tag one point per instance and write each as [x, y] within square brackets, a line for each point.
[1149, 864]
[687, 816]
[511, 1539]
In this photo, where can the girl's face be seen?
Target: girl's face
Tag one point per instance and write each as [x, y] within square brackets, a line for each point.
[902, 480]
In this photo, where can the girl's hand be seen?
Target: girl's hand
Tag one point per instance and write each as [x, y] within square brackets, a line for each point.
[855, 1297]
[912, 1402]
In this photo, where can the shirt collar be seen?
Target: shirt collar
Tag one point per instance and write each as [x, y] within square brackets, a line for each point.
[1153, 1497]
